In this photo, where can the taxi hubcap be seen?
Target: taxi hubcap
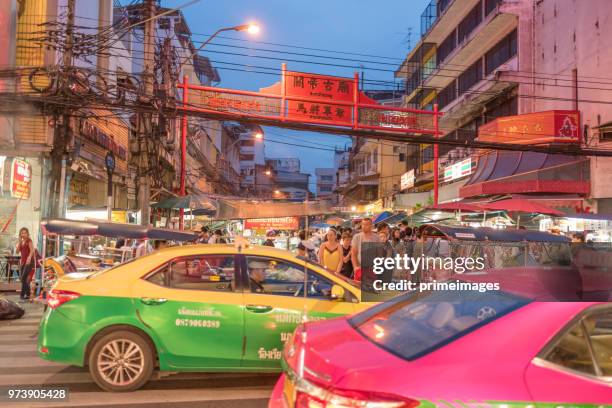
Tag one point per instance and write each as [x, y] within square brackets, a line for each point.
[121, 362]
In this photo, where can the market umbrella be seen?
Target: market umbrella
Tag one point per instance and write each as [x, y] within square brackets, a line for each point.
[382, 216]
[191, 201]
[521, 205]
[319, 225]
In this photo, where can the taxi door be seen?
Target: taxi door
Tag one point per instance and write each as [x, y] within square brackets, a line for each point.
[194, 307]
[276, 297]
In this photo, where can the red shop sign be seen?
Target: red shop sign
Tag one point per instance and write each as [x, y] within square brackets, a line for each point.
[282, 223]
[308, 111]
[319, 87]
[21, 178]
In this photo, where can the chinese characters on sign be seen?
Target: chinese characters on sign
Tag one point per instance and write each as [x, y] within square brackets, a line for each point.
[21, 177]
[309, 98]
[319, 111]
[540, 127]
[282, 223]
[317, 88]
[407, 180]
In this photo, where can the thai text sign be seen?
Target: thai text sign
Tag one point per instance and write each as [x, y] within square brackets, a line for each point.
[21, 178]
[407, 180]
[96, 135]
[229, 102]
[281, 223]
[458, 170]
[393, 119]
[554, 126]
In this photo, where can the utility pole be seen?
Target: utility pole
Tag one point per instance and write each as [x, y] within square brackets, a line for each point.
[63, 136]
[145, 127]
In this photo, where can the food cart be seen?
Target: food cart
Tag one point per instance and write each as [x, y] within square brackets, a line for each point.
[96, 258]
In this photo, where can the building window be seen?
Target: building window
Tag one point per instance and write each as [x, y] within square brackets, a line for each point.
[447, 95]
[606, 135]
[375, 157]
[501, 52]
[490, 6]
[427, 155]
[326, 188]
[327, 178]
[247, 157]
[446, 47]
[470, 77]
[247, 142]
[470, 22]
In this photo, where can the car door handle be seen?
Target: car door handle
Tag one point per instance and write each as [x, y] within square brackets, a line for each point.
[258, 308]
[153, 301]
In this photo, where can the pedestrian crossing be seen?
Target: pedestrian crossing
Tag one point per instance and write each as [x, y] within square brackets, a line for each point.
[20, 366]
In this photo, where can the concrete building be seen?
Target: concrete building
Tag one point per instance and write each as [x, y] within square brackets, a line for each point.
[326, 182]
[286, 180]
[481, 60]
[251, 157]
[28, 134]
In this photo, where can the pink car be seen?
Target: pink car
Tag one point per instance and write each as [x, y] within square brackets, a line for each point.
[450, 350]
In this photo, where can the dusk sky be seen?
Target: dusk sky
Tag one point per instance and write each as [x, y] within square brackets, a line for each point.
[329, 28]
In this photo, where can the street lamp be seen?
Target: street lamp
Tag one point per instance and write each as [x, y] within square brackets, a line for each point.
[252, 29]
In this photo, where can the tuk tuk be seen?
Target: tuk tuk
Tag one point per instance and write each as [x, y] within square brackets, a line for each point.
[533, 263]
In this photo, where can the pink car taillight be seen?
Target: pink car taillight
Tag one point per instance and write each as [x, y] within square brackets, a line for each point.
[327, 398]
[57, 298]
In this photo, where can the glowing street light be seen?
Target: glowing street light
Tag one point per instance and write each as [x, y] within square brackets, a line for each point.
[267, 172]
[258, 135]
[251, 28]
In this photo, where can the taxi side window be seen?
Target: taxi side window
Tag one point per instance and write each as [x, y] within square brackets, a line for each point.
[587, 346]
[278, 277]
[205, 272]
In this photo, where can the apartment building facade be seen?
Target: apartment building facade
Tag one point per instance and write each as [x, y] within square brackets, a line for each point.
[482, 60]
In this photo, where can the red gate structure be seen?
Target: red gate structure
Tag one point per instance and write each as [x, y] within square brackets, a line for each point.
[306, 98]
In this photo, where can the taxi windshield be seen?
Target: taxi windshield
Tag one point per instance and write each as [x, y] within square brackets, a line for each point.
[351, 282]
[103, 271]
[413, 325]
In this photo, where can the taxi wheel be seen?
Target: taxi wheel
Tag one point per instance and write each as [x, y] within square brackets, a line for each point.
[121, 361]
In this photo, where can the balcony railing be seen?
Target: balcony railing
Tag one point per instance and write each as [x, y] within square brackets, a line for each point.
[431, 13]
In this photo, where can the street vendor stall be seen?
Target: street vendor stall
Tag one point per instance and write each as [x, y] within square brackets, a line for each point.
[99, 257]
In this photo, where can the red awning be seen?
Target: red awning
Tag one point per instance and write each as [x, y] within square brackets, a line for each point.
[521, 205]
[457, 206]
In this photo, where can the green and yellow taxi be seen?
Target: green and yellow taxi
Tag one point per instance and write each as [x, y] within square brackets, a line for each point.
[214, 308]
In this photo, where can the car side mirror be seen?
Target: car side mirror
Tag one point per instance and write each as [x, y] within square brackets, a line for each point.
[337, 293]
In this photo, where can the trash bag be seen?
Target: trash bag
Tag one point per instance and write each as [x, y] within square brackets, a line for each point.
[10, 310]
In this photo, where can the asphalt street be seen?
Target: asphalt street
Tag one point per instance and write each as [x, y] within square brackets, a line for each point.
[21, 367]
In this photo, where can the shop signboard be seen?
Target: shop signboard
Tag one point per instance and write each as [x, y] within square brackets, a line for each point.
[247, 103]
[556, 126]
[394, 119]
[21, 178]
[307, 98]
[407, 180]
[458, 170]
[280, 223]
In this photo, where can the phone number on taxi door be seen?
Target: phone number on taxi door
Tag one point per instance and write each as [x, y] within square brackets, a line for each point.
[212, 324]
